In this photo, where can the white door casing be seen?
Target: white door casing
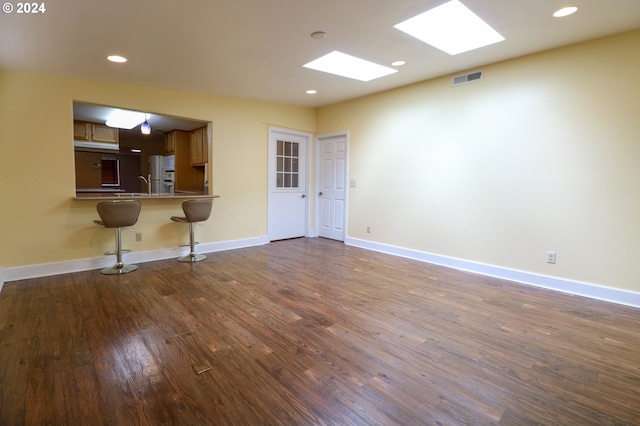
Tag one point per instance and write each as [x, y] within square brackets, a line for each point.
[331, 182]
[288, 204]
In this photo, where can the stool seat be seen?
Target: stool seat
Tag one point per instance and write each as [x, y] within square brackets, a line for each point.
[194, 211]
[118, 214]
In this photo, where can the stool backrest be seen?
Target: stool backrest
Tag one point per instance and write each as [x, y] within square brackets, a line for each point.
[197, 210]
[119, 213]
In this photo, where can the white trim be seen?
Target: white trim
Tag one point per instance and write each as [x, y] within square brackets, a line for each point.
[346, 180]
[593, 291]
[57, 268]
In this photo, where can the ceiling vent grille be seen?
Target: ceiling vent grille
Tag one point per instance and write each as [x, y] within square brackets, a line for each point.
[467, 78]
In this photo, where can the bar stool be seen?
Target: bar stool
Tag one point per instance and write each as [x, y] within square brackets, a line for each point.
[118, 214]
[195, 211]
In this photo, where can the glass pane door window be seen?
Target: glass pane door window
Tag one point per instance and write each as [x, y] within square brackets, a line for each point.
[287, 170]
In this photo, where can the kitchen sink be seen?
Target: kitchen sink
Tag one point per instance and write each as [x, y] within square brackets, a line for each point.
[131, 194]
[141, 194]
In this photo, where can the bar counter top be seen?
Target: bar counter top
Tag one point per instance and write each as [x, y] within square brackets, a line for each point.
[101, 195]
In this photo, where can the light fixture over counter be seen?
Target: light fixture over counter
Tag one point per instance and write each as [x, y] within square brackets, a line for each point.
[145, 128]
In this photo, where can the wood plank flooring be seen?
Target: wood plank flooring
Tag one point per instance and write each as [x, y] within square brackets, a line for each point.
[311, 332]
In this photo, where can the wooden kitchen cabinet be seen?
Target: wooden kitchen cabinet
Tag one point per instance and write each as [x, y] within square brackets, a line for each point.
[199, 147]
[170, 143]
[104, 133]
[187, 177]
[88, 169]
[81, 131]
[94, 132]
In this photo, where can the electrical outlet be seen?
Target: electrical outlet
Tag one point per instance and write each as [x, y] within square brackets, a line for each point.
[368, 229]
[551, 257]
[138, 236]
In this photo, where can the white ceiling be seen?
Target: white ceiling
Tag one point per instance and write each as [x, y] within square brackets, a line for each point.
[256, 48]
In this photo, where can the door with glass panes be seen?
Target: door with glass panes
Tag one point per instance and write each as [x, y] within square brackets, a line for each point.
[288, 202]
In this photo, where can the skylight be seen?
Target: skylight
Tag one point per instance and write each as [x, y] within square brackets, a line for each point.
[349, 66]
[124, 119]
[451, 28]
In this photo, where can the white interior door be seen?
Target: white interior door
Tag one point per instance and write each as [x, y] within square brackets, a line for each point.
[288, 202]
[332, 185]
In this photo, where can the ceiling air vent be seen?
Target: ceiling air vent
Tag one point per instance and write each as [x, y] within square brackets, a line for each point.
[467, 78]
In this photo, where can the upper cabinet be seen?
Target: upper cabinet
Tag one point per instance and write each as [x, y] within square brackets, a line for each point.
[170, 143]
[89, 134]
[104, 133]
[199, 147]
[81, 131]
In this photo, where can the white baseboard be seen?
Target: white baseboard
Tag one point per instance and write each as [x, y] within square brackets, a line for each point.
[69, 266]
[594, 291]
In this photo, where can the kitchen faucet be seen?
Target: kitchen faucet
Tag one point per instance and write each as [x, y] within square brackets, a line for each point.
[147, 181]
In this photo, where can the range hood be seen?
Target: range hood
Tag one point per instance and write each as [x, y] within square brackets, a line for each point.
[102, 146]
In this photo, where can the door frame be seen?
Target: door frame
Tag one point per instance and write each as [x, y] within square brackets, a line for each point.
[316, 197]
[307, 186]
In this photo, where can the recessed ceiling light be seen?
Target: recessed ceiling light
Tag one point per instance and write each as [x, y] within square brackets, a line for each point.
[398, 63]
[450, 27]
[135, 150]
[116, 58]
[344, 65]
[318, 35]
[124, 119]
[311, 92]
[565, 11]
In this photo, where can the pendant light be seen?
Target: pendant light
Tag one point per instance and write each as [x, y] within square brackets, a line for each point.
[145, 128]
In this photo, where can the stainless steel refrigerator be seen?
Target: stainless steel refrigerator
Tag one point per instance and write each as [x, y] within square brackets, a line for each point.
[156, 170]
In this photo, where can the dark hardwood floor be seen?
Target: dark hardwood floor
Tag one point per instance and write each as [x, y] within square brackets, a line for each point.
[306, 332]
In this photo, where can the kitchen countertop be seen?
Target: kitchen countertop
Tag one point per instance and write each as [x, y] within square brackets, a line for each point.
[99, 195]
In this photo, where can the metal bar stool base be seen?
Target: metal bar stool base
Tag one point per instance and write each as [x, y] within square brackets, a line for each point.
[115, 252]
[116, 215]
[192, 257]
[118, 268]
[194, 211]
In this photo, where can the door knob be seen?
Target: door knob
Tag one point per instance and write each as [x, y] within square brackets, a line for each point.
[303, 196]
[320, 193]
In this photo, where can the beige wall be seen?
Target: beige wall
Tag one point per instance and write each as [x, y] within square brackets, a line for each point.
[543, 154]
[40, 223]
